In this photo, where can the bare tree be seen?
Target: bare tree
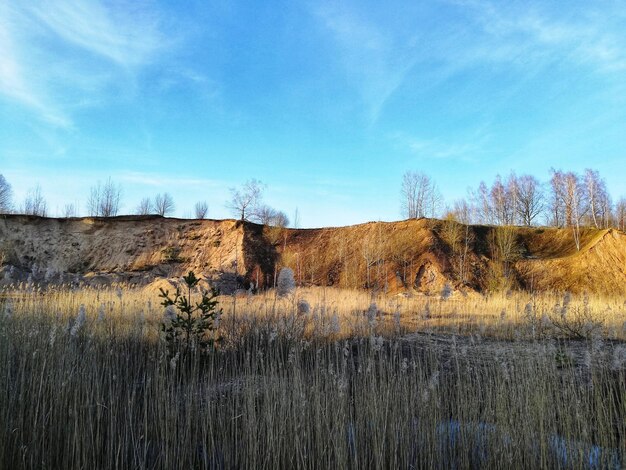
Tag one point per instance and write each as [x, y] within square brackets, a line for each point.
[592, 185]
[557, 198]
[266, 215]
[516, 200]
[513, 198]
[201, 209]
[419, 196]
[6, 196]
[280, 219]
[163, 204]
[569, 199]
[462, 211]
[481, 200]
[93, 201]
[598, 198]
[144, 207]
[493, 203]
[69, 211]
[530, 199]
[575, 203]
[104, 199]
[606, 210]
[111, 197]
[575, 200]
[244, 201]
[620, 214]
[35, 203]
[501, 201]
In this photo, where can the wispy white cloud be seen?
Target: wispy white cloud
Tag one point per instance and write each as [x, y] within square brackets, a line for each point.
[540, 33]
[128, 37]
[468, 148]
[13, 81]
[186, 77]
[440, 150]
[379, 52]
[582, 46]
[375, 60]
[58, 55]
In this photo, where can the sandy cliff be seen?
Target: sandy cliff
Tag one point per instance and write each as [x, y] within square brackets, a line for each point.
[419, 255]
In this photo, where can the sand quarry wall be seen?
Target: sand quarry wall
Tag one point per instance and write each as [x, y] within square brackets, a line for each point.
[415, 255]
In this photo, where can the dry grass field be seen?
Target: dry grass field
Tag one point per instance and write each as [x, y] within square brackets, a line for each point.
[323, 378]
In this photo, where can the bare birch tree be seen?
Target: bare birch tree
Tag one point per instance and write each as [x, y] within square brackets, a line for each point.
[575, 204]
[419, 196]
[568, 201]
[557, 199]
[620, 214]
[6, 196]
[598, 199]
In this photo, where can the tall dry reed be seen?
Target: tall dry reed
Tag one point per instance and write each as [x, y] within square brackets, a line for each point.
[86, 382]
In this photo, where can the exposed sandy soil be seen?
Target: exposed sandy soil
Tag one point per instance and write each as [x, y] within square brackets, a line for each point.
[414, 255]
[134, 250]
[599, 266]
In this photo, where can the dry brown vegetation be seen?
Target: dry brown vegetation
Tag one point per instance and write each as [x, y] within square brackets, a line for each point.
[319, 378]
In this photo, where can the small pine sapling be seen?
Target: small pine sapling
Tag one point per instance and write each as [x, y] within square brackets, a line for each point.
[187, 325]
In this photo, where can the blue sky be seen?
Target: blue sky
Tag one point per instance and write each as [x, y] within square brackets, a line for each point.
[328, 103]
